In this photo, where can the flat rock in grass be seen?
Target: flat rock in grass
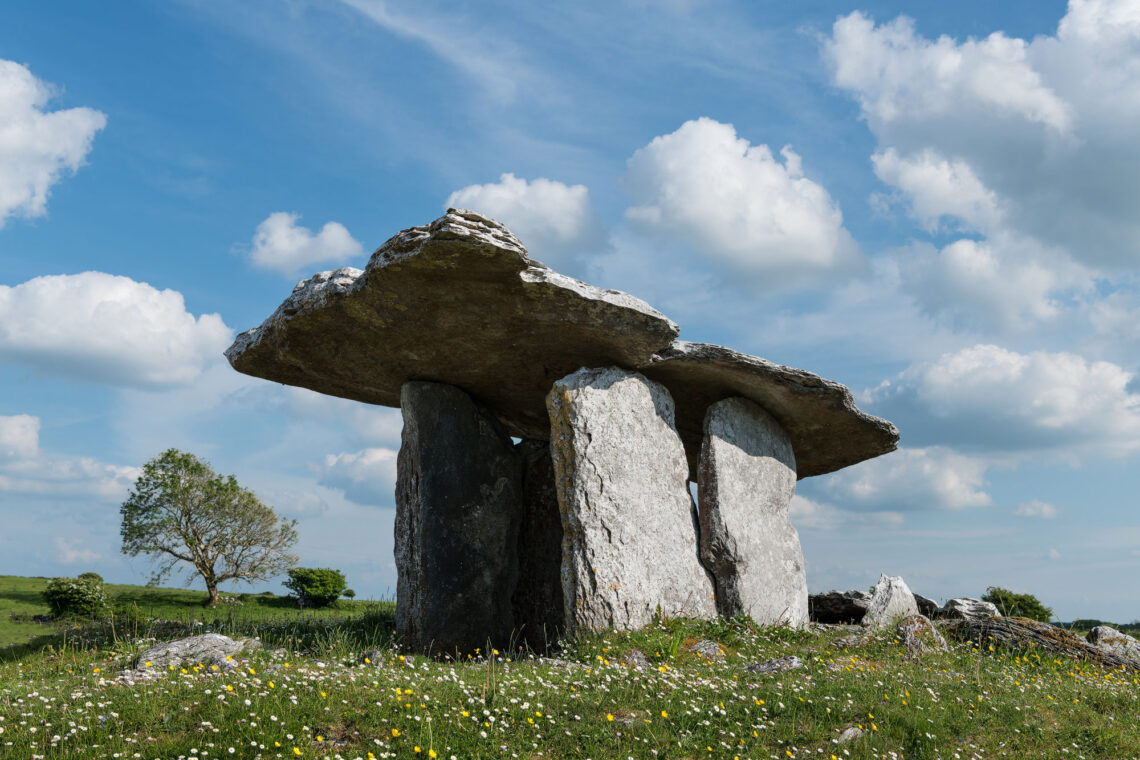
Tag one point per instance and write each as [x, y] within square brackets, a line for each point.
[211, 649]
[709, 650]
[836, 607]
[537, 601]
[919, 635]
[459, 302]
[1111, 640]
[890, 601]
[849, 734]
[630, 545]
[828, 432]
[746, 482]
[636, 659]
[778, 665]
[457, 517]
[1019, 633]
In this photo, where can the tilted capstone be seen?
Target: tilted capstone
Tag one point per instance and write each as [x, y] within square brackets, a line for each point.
[630, 535]
[746, 481]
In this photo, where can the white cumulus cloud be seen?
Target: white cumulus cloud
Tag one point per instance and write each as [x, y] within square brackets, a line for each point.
[367, 477]
[19, 437]
[736, 204]
[910, 480]
[816, 515]
[105, 328]
[281, 245]
[37, 146]
[553, 220]
[991, 398]
[938, 187]
[70, 551]
[1041, 510]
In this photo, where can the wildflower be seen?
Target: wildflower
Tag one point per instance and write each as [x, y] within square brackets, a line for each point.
[395, 732]
[296, 751]
[664, 714]
[431, 753]
[417, 749]
[610, 717]
[320, 738]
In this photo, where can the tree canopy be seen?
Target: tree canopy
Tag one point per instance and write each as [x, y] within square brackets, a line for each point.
[1013, 604]
[181, 512]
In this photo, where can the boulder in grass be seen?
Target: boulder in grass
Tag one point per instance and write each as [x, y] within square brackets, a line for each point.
[919, 636]
[926, 607]
[210, 649]
[891, 601]
[965, 608]
[1111, 640]
[835, 607]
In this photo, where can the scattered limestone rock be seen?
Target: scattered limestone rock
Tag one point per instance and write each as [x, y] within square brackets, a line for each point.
[1111, 640]
[919, 635]
[891, 600]
[850, 733]
[838, 606]
[747, 479]
[778, 665]
[636, 659]
[1018, 633]
[709, 650]
[965, 608]
[630, 541]
[926, 607]
[210, 649]
[457, 515]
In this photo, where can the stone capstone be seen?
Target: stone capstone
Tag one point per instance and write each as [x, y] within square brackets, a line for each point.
[458, 302]
[746, 481]
[965, 608]
[828, 432]
[537, 601]
[838, 606]
[457, 521]
[890, 601]
[630, 537]
[1111, 640]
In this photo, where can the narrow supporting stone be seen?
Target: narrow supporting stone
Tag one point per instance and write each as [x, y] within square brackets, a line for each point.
[630, 547]
[457, 515]
[537, 602]
[746, 481]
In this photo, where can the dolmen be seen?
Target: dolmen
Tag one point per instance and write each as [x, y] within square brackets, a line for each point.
[551, 431]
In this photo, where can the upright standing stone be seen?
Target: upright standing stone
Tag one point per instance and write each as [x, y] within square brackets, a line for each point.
[891, 601]
[630, 546]
[457, 515]
[746, 480]
[537, 602]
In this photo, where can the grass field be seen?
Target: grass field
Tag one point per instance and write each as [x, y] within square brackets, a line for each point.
[308, 693]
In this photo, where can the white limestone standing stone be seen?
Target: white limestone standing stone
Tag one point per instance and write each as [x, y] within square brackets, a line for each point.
[629, 533]
[746, 481]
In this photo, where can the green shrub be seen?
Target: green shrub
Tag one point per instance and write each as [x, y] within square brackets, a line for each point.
[349, 594]
[75, 597]
[1012, 604]
[315, 586]
[95, 577]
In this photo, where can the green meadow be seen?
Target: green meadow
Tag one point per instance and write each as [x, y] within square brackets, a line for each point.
[312, 691]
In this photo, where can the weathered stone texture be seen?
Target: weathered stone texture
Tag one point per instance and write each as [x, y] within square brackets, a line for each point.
[891, 601]
[965, 608]
[630, 545]
[457, 517]
[828, 432]
[747, 479]
[1111, 640]
[919, 635]
[537, 602]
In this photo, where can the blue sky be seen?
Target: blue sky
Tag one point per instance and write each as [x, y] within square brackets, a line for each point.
[935, 204]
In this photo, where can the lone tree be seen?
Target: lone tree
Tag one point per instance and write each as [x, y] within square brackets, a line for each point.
[180, 510]
[1013, 604]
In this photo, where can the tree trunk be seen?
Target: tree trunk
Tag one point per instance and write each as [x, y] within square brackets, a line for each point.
[213, 598]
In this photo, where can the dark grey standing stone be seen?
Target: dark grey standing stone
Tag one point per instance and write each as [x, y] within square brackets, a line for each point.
[623, 492]
[928, 608]
[538, 597]
[839, 606]
[747, 479]
[457, 517]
